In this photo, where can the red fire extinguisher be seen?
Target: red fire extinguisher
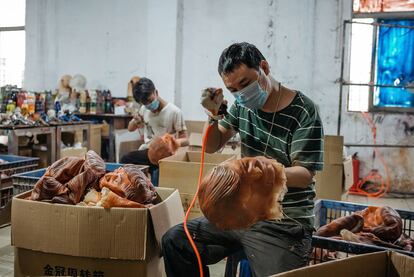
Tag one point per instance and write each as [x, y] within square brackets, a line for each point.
[355, 171]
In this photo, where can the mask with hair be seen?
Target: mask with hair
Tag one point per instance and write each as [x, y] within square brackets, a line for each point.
[238, 193]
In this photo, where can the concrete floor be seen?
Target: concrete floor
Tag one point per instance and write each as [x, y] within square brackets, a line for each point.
[217, 270]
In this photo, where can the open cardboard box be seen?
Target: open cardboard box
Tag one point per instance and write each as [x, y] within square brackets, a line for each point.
[379, 264]
[115, 242]
[182, 169]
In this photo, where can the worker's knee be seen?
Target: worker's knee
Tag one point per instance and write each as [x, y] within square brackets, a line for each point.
[171, 237]
[123, 160]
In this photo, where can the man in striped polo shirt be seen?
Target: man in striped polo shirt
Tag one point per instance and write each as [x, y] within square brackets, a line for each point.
[273, 121]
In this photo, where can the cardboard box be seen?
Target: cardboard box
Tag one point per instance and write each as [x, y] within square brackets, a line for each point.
[380, 264]
[46, 264]
[186, 199]
[195, 142]
[333, 150]
[182, 169]
[73, 152]
[329, 182]
[195, 126]
[348, 173]
[95, 142]
[110, 241]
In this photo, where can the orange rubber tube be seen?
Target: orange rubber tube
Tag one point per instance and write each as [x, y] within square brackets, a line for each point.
[384, 187]
[200, 178]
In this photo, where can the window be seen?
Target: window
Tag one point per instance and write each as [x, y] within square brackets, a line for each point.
[381, 56]
[12, 42]
[395, 64]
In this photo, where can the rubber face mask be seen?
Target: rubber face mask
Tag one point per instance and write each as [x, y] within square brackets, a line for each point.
[154, 105]
[252, 96]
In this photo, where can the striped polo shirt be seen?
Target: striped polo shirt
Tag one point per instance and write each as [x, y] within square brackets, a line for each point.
[296, 139]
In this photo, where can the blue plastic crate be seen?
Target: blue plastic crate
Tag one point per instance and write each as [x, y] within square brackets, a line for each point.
[17, 161]
[25, 181]
[329, 210]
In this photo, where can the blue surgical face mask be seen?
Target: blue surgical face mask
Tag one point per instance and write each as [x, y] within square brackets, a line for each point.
[154, 105]
[252, 96]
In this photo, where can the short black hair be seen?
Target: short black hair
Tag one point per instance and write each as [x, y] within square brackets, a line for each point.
[237, 54]
[143, 90]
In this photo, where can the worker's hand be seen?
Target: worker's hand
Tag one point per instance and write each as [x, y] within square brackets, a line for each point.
[137, 119]
[211, 100]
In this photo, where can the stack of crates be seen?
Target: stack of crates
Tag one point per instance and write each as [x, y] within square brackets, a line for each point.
[13, 165]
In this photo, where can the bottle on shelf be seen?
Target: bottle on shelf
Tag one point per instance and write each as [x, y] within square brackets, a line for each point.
[31, 103]
[11, 106]
[82, 101]
[25, 108]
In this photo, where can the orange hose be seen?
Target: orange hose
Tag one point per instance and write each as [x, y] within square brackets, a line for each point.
[200, 178]
[384, 187]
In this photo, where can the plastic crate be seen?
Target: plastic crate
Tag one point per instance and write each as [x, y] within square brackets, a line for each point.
[6, 194]
[14, 162]
[25, 181]
[328, 210]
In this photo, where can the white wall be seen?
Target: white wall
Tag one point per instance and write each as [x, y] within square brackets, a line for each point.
[107, 41]
[177, 44]
[300, 39]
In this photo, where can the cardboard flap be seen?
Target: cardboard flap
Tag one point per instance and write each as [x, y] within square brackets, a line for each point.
[400, 265]
[166, 214]
[367, 265]
[195, 139]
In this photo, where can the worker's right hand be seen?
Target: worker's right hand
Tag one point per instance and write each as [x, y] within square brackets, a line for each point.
[211, 100]
[137, 118]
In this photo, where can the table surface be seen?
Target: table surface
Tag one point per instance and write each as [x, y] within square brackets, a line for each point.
[17, 127]
[106, 115]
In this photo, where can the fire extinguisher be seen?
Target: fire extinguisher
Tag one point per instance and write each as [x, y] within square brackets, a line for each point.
[355, 171]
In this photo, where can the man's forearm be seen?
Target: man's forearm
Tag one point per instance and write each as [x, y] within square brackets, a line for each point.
[298, 176]
[214, 138]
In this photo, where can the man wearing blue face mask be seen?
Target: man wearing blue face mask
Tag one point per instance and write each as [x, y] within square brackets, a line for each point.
[156, 117]
[273, 121]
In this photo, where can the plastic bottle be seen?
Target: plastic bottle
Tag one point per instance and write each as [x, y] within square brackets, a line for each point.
[82, 102]
[31, 107]
[93, 101]
[11, 106]
[25, 108]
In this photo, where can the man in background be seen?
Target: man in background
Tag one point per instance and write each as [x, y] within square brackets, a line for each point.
[157, 117]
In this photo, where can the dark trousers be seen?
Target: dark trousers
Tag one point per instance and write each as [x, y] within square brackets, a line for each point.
[139, 157]
[271, 247]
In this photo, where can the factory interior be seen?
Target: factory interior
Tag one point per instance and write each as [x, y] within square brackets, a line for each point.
[232, 138]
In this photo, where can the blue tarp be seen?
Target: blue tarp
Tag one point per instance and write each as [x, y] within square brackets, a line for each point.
[395, 64]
